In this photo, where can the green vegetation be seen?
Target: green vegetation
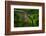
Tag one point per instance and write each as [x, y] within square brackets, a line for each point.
[26, 17]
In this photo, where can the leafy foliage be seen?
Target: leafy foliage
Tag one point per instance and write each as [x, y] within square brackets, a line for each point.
[26, 17]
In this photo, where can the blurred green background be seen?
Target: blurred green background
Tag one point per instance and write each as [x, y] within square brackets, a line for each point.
[26, 17]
